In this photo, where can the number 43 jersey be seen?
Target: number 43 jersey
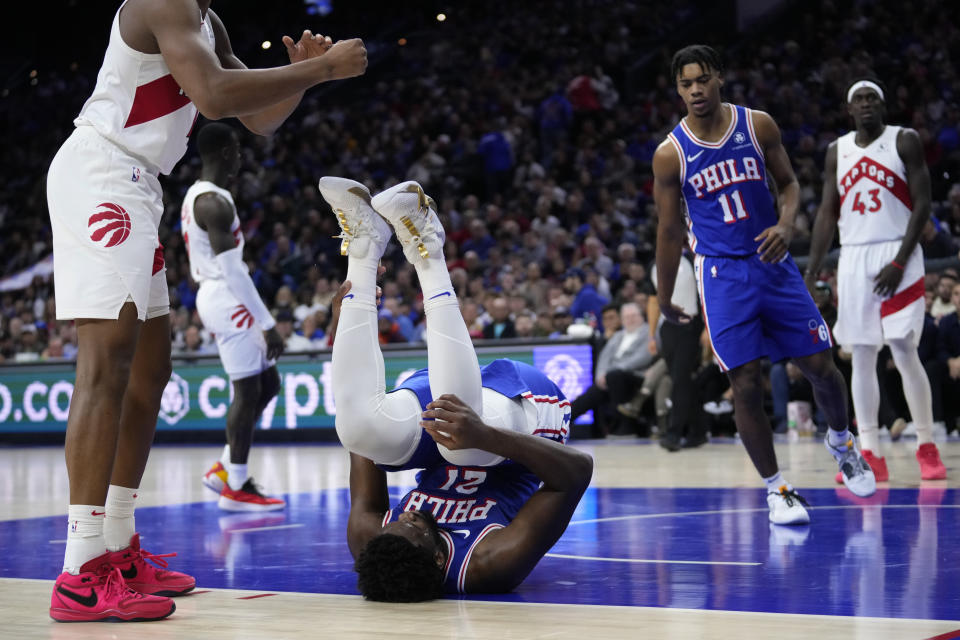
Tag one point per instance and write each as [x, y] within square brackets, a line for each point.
[875, 202]
[724, 186]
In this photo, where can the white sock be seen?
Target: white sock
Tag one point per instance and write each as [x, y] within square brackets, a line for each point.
[776, 481]
[119, 525]
[838, 438]
[225, 456]
[84, 536]
[362, 274]
[236, 475]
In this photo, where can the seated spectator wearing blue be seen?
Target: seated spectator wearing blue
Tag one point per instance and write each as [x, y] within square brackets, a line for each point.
[619, 373]
[587, 302]
[500, 326]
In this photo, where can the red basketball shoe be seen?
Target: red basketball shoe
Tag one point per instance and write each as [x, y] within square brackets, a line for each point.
[216, 478]
[879, 466]
[99, 593]
[931, 466]
[248, 498]
[146, 578]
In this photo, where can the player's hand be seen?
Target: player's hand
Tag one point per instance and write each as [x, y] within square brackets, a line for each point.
[309, 46]
[652, 346]
[887, 281]
[810, 280]
[451, 423]
[953, 364]
[673, 313]
[774, 242]
[274, 343]
[346, 59]
[602, 381]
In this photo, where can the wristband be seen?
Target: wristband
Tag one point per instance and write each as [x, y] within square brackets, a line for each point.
[897, 264]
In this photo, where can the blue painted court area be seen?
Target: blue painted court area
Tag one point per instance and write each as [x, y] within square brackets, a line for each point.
[896, 554]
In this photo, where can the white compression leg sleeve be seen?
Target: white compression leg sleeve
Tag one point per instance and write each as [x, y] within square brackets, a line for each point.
[382, 427]
[866, 395]
[916, 387]
[451, 358]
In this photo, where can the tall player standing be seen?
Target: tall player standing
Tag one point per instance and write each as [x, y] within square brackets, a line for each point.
[230, 307]
[164, 62]
[876, 189]
[714, 164]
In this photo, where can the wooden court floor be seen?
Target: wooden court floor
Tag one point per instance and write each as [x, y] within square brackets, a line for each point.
[663, 546]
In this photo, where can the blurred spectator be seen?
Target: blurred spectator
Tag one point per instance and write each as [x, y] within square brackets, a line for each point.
[389, 330]
[619, 372]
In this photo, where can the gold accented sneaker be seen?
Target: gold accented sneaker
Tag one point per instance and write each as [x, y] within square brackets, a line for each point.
[414, 218]
[362, 231]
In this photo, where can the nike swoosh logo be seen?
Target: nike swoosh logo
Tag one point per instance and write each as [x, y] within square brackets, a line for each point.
[440, 295]
[98, 513]
[694, 157]
[349, 295]
[87, 601]
[130, 573]
[464, 532]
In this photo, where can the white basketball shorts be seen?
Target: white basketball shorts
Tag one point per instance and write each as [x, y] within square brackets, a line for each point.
[240, 341]
[865, 318]
[105, 209]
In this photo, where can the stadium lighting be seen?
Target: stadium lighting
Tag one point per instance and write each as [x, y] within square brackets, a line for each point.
[441, 17]
[266, 44]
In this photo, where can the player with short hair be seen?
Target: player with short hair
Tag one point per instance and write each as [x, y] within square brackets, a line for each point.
[876, 190]
[715, 165]
[164, 63]
[231, 308]
[495, 492]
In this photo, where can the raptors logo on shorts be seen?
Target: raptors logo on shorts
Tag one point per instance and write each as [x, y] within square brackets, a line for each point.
[111, 221]
[243, 317]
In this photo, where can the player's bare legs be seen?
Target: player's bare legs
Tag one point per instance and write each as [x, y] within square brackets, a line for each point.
[829, 390]
[149, 374]
[829, 387]
[104, 356]
[752, 422]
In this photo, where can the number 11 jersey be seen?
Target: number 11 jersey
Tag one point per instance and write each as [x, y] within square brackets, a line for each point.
[724, 186]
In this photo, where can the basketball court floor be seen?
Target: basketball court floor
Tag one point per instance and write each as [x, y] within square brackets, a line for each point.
[662, 546]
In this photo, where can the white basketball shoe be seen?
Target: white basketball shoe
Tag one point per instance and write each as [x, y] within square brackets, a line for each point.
[413, 215]
[363, 233]
[787, 507]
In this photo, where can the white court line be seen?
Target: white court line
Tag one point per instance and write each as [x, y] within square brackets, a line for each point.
[639, 561]
[279, 526]
[642, 516]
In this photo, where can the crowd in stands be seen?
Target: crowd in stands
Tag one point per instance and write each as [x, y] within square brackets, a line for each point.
[535, 137]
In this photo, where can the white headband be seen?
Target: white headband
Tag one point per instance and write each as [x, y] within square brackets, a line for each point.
[864, 84]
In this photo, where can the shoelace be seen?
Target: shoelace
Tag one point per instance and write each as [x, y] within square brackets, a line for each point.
[791, 495]
[115, 585]
[157, 558]
[850, 460]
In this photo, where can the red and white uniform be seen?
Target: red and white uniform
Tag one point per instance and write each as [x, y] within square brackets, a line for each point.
[104, 197]
[875, 208]
[240, 341]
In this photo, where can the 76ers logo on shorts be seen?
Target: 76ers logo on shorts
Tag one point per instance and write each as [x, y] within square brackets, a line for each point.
[110, 222]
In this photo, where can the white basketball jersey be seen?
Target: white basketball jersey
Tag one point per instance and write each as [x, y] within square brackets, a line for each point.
[203, 261]
[875, 202]
[138, 105]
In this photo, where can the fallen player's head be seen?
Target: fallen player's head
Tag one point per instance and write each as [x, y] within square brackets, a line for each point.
[405, 562]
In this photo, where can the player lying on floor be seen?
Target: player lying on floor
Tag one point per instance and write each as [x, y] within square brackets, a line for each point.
[497, 486]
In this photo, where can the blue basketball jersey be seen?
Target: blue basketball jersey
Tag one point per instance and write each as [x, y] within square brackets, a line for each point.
[470, 502]
[724, 186]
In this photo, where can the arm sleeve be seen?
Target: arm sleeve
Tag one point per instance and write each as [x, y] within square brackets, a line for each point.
[238, 280]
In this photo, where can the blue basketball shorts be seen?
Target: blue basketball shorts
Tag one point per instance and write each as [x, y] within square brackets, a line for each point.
[754, 309]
